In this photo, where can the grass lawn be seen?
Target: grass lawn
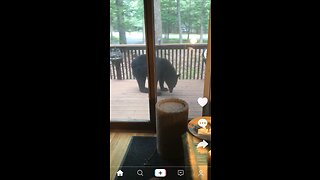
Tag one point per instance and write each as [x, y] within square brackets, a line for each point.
[173, 38]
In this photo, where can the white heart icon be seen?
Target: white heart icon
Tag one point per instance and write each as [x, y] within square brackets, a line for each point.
[202, 101]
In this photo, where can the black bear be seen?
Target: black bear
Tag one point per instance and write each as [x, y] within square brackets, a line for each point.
[165, 72]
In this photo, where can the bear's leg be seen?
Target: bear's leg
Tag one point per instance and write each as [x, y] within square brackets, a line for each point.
[142, 88]
[161, 83]
[141, 83]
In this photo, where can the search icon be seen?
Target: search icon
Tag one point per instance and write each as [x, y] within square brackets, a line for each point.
[140, 172]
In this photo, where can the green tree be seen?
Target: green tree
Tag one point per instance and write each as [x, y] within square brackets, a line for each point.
[179, 21]
[168, 16]
[133, 14]
[120, 19]
[113, 17]
[158, 21]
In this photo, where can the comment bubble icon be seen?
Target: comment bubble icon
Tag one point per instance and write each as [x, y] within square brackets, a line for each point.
[202, 123]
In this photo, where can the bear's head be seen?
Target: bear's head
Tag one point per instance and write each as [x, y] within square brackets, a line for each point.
[172, 82]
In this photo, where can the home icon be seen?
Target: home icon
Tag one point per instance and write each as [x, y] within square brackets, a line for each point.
[120, 173]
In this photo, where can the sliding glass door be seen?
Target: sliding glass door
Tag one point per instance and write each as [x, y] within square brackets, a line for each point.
[158, 50]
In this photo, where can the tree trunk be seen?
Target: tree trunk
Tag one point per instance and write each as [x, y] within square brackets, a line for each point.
[111, 35]
[179, 21]
[201, 31]
[143, 34]
[201, 25]
[189, 21]
[121, 26]
[157, 22]
[189, 30]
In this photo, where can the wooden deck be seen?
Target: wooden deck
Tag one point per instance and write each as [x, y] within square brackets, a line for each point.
[128, 103]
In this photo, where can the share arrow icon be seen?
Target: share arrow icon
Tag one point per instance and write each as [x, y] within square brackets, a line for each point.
[202, 144]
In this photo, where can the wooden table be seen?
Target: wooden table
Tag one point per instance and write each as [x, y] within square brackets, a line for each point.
[196, 158]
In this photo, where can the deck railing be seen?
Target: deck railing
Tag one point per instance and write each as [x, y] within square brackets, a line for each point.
[187, 59]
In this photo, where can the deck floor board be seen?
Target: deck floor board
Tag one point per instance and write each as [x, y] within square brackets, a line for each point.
[127, 102]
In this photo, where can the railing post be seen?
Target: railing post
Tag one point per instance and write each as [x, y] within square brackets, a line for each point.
[123, 52]
[117, 64]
